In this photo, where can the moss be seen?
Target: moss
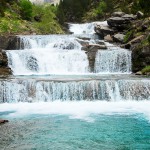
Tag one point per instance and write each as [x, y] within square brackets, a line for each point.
[145, 70]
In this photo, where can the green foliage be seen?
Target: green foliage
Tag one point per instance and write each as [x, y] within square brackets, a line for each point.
[128, 36]
[146, 70]
[101, 9]
[72, 10]
[26, 9]
[47, 23]
[25, 18]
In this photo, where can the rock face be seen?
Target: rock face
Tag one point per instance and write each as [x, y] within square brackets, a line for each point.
[7, 43]
[140, 57]
[10, 43]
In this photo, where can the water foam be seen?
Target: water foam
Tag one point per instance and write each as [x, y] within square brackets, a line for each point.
[78, 110]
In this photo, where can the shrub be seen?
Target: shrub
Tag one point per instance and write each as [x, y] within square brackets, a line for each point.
[146, 70]
[26, 9]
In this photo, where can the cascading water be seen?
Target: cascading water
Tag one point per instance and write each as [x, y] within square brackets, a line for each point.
[44, 91]
[48, 55]
[113, 61]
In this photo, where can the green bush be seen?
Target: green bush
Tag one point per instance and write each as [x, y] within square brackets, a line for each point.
[128, 36]
[101, 9]
[26, 9]
[146, 70]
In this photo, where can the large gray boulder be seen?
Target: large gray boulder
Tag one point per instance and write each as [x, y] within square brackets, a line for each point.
[119, 23]
[103, 31]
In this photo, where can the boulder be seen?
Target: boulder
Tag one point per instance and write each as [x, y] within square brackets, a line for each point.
[119, 37]
[118, 14]
[119, 23]
[108, 38]
[103, 31]
[140, 15]
[129, 16]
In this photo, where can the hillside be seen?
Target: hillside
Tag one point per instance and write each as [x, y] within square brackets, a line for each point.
[23, 17]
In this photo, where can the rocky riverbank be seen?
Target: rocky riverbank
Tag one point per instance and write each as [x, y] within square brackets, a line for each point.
[131, 32]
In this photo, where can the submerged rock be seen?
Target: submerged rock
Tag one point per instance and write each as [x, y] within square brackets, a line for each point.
[3, 121]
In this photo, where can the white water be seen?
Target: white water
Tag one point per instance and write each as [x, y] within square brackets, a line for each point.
[31, 90]
[113, 61]
[78, 110]
[86, 28]
[46, 61]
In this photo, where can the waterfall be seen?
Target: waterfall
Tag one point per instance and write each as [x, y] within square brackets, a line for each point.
[48, 55]
[21, 90]
[113, 61]
[62, 55]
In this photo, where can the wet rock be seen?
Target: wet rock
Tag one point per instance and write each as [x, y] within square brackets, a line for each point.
[94, 47]
[5, 71]
[140, 15]
[108, 38]
[3, 121]
[91, 51]
[99, 42]
[118, 14]
[15, 43]
[83, 42]
[119, 37]
[103, 31]
[32, 64]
